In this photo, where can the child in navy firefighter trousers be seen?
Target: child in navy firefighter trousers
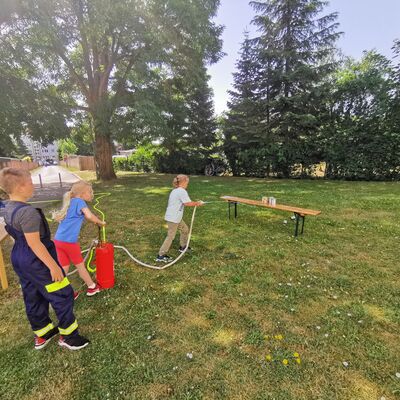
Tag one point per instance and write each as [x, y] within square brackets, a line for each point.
[34, 259]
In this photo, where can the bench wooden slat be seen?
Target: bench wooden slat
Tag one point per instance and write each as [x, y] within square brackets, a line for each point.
[298, 210]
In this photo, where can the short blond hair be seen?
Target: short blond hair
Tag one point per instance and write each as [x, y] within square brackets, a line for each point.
[76, 189]
[178, 179]
[11, 178]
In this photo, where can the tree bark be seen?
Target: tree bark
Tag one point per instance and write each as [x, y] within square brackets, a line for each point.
[103, 157]
[103, 148]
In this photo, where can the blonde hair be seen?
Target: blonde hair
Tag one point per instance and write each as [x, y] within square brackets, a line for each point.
[77, 189]
[178, 179]
[10, 178]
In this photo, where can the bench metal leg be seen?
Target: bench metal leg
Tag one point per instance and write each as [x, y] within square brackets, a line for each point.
[296, 229]
[229, 209]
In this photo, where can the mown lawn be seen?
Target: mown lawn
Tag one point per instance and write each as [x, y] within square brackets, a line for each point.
[250, 292]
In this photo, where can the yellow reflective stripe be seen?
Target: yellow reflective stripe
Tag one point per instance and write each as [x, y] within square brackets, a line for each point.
[43, 331]
[53, 287]
[68, 330]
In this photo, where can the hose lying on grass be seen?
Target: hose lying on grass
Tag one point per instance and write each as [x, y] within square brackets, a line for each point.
[89, 252]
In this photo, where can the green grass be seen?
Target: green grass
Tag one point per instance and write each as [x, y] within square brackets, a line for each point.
[333, 294]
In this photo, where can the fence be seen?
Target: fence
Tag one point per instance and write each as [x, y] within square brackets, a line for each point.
[15, 163]
[82, 163]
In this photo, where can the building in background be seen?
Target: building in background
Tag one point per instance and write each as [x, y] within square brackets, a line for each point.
[40, 153]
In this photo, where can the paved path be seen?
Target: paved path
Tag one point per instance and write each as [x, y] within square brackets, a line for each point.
[50, 175]
[51, 189]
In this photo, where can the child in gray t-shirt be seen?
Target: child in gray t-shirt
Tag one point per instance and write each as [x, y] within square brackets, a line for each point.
[34, 259]
[26, 219]
[177, 201]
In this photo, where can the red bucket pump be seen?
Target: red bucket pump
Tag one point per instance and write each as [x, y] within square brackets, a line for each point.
[105, 263]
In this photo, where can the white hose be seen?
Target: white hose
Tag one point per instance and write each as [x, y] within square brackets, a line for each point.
[94, 242]
[172, 262]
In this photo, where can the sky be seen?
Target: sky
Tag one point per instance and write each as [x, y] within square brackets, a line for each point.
[367, 25]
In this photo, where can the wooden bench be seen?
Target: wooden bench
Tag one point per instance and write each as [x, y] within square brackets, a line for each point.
[300, 213]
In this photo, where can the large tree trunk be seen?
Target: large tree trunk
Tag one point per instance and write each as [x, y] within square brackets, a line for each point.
[103, 148]
[103, 157]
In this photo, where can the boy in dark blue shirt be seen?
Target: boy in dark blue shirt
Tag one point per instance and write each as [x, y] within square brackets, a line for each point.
[34, 259]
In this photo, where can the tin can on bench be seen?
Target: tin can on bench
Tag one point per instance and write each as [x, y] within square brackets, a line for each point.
[272, 201]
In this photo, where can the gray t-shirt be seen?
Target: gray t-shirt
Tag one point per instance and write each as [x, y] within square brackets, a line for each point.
[175, 208]
[26, 219]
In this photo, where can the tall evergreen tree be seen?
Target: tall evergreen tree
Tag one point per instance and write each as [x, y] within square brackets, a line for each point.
[189, 122]
[201, 129]
[242, 123]
[296, 49]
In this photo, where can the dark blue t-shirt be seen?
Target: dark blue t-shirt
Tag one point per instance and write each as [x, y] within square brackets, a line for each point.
[70, 226]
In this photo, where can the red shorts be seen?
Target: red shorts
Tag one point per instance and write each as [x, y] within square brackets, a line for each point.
[68, 253]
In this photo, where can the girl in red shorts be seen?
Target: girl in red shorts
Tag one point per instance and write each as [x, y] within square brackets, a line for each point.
[71, 217]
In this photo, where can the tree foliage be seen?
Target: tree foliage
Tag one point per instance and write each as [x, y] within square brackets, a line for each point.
[280, 111]
[363, 136]
[94, 56]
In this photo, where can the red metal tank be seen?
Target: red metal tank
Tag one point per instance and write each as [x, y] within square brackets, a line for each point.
[105, 265]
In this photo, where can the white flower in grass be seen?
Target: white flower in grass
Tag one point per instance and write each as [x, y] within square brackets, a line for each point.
[280, 284]
[326, 334]
[338, 312]
[189, 356]
[349, 314]
[318, 327]
[308, 286]
[286, 296]
[383, 398]
[289, 284]
[292, 310]
[398, 375]
[334, 297]
[360, 321]
[345, 364]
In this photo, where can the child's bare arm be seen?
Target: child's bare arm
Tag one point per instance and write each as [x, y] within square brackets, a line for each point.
[36, 245]
[91, 217]
[194, 204]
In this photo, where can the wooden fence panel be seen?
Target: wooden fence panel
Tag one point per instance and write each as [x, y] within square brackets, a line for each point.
[19, 164]
[82, 163]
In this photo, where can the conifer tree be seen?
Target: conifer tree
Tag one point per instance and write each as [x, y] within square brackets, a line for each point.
[296, 48]
[242, 124]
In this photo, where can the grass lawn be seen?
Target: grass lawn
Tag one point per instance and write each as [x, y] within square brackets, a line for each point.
[249, 297]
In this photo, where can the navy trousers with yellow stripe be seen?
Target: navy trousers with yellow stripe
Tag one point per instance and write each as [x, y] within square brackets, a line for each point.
[37, 286]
